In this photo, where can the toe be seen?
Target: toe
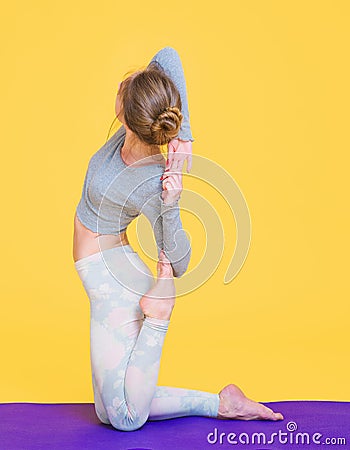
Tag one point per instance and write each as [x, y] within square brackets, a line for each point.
[268, 414]
[271, 415]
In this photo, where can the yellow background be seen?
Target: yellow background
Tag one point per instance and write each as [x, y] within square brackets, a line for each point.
[268, 91]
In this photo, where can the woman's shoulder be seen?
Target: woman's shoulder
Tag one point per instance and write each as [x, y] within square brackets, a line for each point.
[151, 171]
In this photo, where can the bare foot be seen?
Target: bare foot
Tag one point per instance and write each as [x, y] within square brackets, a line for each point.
[159, 301]
[235, 405]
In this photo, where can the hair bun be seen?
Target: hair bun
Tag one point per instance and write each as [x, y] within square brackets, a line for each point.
[173, 109]
[167, 125]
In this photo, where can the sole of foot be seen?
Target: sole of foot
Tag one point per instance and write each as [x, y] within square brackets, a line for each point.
[159, 301]
[235, 405]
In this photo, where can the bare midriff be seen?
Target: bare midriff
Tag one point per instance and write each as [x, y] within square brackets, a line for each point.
[87, 242]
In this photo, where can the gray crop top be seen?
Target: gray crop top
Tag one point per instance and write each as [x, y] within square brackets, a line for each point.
[114, 193]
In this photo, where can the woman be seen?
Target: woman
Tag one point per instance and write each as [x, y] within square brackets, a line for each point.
[130, 311]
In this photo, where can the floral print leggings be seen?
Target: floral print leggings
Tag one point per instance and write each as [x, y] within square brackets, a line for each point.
[126, 346]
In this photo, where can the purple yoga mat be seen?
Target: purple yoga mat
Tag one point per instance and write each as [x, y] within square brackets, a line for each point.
[69, 426]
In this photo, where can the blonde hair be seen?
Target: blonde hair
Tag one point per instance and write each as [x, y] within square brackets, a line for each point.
[151, 105]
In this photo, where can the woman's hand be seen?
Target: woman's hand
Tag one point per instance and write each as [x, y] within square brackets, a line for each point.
[178, 152]
[172, 186]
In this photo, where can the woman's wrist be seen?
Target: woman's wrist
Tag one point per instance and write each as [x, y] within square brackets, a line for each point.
[170, 200]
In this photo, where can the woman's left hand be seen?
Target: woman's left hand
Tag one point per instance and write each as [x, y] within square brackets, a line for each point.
[178, 152]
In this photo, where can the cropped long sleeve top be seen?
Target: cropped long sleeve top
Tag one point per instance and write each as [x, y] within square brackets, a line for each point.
[114, 193]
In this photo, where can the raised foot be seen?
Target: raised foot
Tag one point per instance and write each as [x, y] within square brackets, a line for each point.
[235, 405]
[159, 301]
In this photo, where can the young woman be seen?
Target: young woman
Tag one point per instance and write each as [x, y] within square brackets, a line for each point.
[130, 311]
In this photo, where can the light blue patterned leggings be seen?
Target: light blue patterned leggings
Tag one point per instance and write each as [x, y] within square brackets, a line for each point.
[126, 346]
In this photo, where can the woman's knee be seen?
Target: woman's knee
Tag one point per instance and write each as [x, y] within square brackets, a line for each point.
[128, 422]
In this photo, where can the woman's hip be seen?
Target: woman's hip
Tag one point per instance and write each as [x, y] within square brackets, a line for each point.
[113, 273]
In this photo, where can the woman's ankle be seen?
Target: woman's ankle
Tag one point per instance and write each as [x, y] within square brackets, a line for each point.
[158, 309]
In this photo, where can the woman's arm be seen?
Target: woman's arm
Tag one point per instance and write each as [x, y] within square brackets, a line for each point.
[169, 61]
[168, 232]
